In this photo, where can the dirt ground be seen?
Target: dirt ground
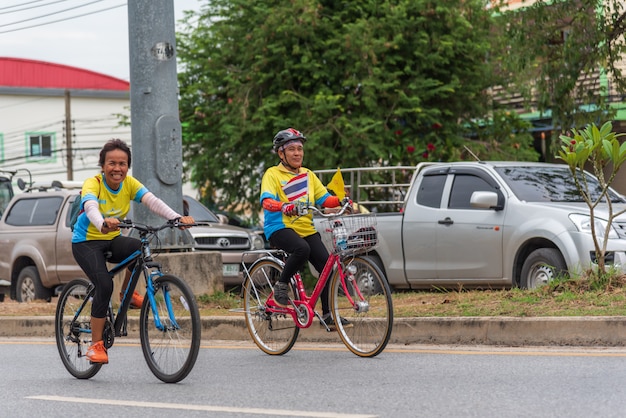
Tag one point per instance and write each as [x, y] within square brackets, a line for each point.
[13, 308]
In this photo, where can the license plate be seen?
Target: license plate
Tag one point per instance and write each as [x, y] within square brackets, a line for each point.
[230, 270]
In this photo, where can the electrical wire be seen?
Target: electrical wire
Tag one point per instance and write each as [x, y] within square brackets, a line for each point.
[29, 7]
[62, 20]
[21, 4]
[50, 14]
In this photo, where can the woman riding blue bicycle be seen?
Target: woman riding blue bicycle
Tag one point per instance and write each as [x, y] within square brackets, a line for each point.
[105, 200]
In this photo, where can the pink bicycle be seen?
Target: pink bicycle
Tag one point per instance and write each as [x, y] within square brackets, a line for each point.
[359, 291]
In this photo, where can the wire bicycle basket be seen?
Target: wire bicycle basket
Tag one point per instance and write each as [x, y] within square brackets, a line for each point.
[351, 234]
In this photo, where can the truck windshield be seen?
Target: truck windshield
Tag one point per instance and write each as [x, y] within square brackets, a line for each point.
[198, 211]
[549, 184]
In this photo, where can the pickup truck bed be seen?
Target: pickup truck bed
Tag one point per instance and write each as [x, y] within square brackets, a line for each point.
[492, 224]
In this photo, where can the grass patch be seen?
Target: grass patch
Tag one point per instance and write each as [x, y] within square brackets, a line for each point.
[572, 297]
[566, 297]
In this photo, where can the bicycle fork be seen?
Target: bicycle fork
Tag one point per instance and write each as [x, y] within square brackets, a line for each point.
[361, 305]
[151, 292]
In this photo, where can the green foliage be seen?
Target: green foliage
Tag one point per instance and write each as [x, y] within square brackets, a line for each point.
[369, 83]
[599, 148]
[503, 137]
[221, 300]
[559, 56]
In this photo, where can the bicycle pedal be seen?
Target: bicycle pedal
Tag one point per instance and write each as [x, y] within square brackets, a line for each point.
[124, 330]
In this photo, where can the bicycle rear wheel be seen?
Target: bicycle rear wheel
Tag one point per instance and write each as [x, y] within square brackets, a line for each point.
[170, 334]
[273, 333]
[366, 303]
[73, 332]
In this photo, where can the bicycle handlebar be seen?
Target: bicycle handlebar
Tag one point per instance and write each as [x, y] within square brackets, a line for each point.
[173, 223]
[303, 209]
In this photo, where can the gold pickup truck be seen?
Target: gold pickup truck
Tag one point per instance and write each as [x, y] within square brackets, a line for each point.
[35, 236]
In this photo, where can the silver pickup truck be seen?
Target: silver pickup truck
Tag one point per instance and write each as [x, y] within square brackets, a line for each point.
[492, 224]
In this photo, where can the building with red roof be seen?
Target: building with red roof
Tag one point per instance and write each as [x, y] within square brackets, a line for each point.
[38, 98]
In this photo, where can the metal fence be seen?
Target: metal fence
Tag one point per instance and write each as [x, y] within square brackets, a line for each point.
[379, 189]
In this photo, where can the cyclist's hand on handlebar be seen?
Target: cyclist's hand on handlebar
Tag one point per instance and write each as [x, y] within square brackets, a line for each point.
[110, 225]
[289, 209]
[187, 221]
[347, 202]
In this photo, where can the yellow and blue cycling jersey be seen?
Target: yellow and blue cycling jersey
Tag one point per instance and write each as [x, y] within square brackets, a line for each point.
[280, 184]
[112, 204]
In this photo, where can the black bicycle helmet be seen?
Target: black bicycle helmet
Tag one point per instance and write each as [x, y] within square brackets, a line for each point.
[286, 135]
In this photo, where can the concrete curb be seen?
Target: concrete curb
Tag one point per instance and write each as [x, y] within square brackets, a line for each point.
[503, 331]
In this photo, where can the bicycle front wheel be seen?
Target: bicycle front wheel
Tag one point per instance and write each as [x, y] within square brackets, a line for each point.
[72, 328]
[170, 331]
[364, 300]
[273, 333]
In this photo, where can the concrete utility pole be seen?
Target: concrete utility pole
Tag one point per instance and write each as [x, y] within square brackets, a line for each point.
[156, 130]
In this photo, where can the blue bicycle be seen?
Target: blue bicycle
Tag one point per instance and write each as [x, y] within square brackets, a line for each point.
[169, 321]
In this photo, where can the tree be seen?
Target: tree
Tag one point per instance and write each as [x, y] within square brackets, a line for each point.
[599, 148]
[369, 82]
[564, 57]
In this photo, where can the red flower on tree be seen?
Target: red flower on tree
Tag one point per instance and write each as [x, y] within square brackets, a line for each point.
[410, 149]
[430, 147]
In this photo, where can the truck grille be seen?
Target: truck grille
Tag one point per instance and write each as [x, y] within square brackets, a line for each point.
[223, 243]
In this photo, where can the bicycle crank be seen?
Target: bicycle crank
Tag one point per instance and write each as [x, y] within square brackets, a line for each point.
[303, 314]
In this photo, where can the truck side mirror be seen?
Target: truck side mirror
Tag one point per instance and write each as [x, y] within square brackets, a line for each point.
[485, 200]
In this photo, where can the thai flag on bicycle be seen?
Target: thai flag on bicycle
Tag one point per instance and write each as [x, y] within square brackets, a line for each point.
[297, 187]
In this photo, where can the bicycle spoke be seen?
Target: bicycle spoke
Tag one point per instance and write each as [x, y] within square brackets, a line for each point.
[170, 334]
[366, 304]
[273, 333]
[73, 332]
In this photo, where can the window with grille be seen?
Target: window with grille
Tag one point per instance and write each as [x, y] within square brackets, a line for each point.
[40, 145]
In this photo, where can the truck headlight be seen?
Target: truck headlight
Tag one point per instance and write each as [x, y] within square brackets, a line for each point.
[583, 224]
[257, 242]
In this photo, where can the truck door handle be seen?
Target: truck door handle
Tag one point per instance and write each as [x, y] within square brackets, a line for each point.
[446, 221]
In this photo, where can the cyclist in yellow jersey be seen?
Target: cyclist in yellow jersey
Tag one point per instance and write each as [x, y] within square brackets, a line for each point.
[282, 187]
[105, 200]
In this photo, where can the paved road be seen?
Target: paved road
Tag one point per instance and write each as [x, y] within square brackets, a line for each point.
[235, 379]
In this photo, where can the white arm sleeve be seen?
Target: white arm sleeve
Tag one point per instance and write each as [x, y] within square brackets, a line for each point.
[159, 207]
[93, 213]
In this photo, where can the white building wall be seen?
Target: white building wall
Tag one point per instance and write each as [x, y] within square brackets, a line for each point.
[94, 121]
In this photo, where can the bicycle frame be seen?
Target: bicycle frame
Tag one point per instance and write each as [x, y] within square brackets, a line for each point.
[305, 301]
[143, 264]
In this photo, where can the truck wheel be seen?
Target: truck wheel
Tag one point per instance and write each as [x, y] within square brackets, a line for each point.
[542, 266]
[367, 274]
[29, 287]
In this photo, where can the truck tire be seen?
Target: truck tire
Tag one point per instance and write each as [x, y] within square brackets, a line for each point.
[29, 287]
[542, 266]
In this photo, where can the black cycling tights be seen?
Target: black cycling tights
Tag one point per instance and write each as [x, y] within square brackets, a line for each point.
[91, 257]
[300, 251]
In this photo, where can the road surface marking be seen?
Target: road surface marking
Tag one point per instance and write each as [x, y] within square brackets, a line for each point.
[207, 408]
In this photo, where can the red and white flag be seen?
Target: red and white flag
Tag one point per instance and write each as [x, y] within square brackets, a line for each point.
[297, 187]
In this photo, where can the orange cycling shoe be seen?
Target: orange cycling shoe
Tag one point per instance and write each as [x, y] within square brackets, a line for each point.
[135, 301]
[97, 353]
